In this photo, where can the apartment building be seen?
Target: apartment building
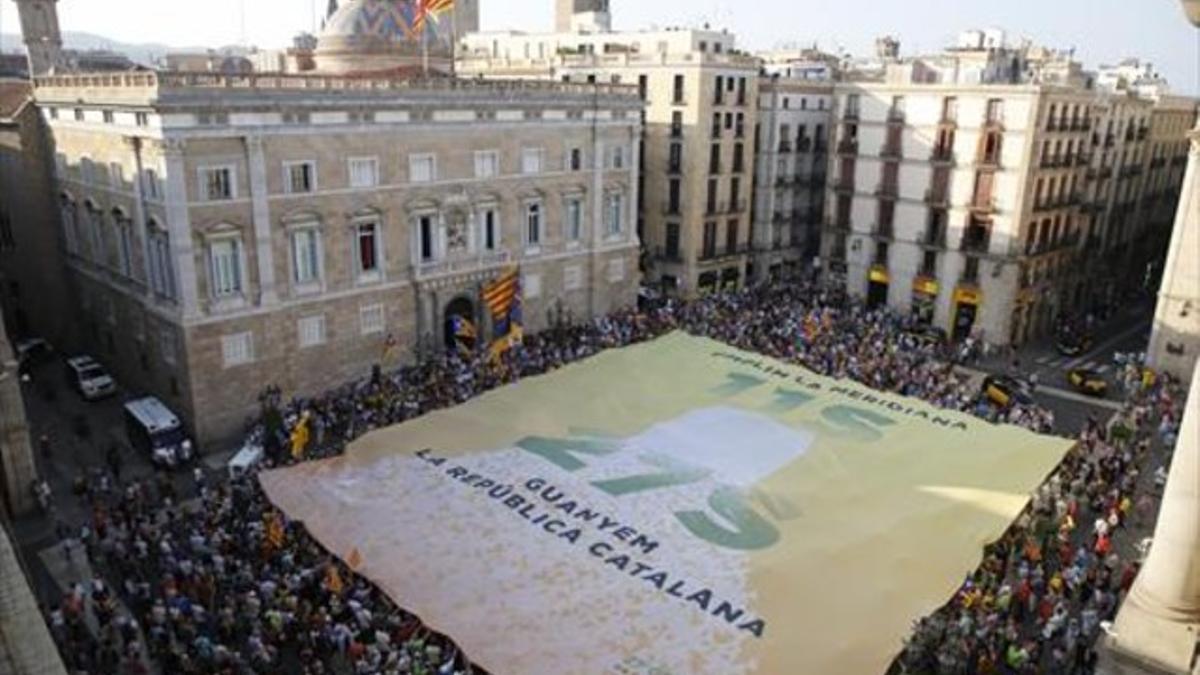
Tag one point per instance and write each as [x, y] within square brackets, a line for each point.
[979, 189]
[792, 158]
[697, 152]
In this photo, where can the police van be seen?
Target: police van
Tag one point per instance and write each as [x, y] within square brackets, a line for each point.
[153, 429]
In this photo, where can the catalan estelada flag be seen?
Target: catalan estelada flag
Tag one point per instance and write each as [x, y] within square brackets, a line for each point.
[499, 295]
[508, 328]
[427, 10]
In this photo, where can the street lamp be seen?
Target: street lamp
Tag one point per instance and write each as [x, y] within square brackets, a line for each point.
[1192, 9]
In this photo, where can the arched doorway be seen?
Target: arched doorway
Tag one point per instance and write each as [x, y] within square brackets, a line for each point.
[459, 324]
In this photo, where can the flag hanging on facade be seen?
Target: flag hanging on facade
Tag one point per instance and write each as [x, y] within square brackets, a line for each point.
[509, 327]
[499, 295]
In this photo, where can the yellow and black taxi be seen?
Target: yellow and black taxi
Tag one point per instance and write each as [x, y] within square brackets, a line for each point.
[1005, 391]
[1087, 382]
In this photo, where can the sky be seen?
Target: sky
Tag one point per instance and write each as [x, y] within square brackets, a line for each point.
[1102, 31]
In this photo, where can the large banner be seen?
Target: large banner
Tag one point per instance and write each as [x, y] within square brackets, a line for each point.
[675, 507]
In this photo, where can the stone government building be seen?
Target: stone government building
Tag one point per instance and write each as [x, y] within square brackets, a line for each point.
[225, 232]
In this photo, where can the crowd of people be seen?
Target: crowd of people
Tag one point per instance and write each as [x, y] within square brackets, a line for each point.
[1040, 599]
[222, 583]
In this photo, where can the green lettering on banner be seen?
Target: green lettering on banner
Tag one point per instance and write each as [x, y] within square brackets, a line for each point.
[735, 384]
[853, 422]
[673, 473]
[561, 452]
[787, 400]
[753, 532]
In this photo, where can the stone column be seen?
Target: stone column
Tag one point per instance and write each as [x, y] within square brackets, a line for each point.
[1175, 341]
[1157, 628]
[263, 249]
[179, 228]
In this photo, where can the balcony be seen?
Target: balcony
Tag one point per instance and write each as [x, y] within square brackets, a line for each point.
[820, 147]
[891, 152]
[843, 186]
[1051, 124]
[440, 268]
[670, 209]
[938, 197]
[785, 147]
[713, 254]
[851, 115]
[983, 205]
[976, 240]
[1143, 133]
[838, 225]
[1081, 125]
[675, 167]
[1110, 140]
[667, 255]
[895, 116]
[1158, 162]
[883, 231]
[847, 147]
[942, 155]
[1105, 172]
[888, 191]
[989, 161]
[991, 123]
[1083, 159]
[804, 144]
[969, 278]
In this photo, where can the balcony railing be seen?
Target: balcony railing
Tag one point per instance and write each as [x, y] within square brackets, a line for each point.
[785, 147]
[888, 190]
[711, 254]
[891, 152]
[454, 266]
[895, 116]
[984, 205]
[884, 231]
[837, 225]
[1083, 159]
[942, 155]
[670, 209]
[843, 186]
[804, 144]
[969, 278]
[989, 161]
[847, 147]
[851, 114]
[937, 197]
[667, 255]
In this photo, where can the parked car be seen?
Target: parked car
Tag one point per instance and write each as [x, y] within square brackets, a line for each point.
[89, 378]
[153, 429]
[1071, 343]
[1088, 382]
[1004, 391]
[30, 352]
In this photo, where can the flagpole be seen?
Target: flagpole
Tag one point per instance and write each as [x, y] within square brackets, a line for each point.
[425, 46]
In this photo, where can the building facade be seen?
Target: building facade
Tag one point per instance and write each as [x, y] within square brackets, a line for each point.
[991, 196]
[297, 230]
[700, 96]
[791, 170]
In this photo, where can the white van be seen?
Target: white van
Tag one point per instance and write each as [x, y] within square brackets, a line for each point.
[152, 428]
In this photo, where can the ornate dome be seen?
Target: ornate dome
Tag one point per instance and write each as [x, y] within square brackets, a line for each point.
[374, 35]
